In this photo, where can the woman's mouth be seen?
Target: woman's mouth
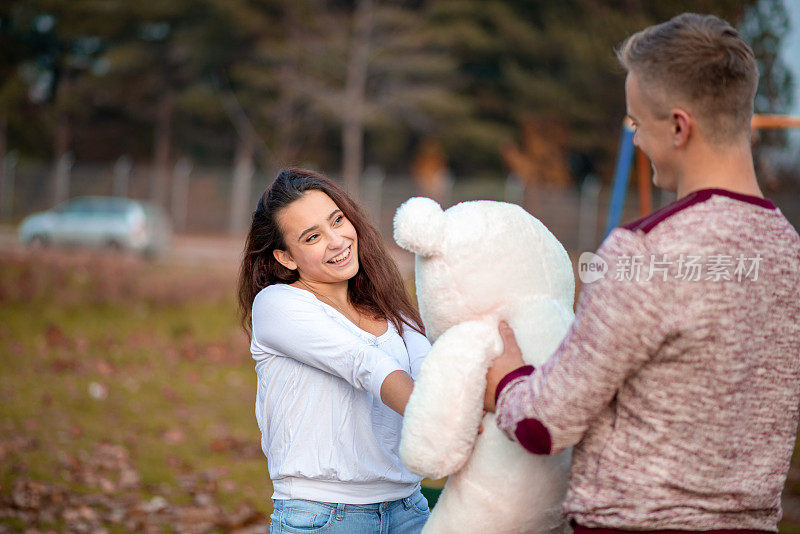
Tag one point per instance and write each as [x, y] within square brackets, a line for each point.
[336, 260]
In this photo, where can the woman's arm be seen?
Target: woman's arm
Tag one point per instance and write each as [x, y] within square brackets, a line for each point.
[289, 324]
[396, 389]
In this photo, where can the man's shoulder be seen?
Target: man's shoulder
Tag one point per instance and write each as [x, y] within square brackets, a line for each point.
[649, 222]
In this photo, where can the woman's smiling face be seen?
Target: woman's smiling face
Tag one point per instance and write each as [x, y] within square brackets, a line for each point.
[321, 243]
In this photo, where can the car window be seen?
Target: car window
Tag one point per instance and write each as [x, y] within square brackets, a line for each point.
[79, 205]
[107, 206]
[98, 206]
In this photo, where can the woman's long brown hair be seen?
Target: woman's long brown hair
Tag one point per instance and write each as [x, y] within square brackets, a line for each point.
[377, 288]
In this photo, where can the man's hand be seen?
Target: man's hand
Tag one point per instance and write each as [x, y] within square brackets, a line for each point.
[502, 365]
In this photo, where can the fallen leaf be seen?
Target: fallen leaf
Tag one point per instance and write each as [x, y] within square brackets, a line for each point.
[173, 436]
[56, 338]
[104, 368]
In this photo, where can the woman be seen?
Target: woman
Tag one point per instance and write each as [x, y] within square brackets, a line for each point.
[336, 342]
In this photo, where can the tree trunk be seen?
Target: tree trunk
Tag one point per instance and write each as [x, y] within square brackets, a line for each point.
[242, 179]
[159, 179]
[5, 202]
[286, 123]
[355, 91]
[61, 157]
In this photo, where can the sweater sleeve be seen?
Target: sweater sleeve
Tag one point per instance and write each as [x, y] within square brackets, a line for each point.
[620, 322]
[291, 325]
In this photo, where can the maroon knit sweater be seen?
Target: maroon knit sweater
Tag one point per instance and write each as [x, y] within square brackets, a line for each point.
[678, 383]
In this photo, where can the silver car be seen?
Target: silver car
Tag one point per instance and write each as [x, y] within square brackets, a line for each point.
[109, 222]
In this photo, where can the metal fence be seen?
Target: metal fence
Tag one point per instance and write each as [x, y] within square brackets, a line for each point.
[200, 197]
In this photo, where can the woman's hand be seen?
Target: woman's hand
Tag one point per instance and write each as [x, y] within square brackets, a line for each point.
[510, 359]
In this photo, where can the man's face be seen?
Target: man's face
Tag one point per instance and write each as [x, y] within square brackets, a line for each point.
[653, 134]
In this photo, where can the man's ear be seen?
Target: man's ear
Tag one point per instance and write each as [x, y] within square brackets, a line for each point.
[284, 258]
[682, 125]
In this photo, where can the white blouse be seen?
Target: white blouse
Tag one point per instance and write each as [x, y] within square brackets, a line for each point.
[326, 434]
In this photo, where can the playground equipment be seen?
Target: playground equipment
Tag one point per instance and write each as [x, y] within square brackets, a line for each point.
[625, 158]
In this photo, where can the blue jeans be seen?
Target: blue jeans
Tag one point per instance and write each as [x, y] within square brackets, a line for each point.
[403, 516]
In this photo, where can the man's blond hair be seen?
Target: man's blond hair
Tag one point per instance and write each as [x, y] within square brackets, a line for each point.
[699, 62]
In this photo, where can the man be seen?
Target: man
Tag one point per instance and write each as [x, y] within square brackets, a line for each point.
[679, 381]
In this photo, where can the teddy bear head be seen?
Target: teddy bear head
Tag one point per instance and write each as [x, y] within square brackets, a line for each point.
[478, 258]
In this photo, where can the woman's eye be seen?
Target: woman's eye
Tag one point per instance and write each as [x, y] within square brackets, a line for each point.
[312, 237]
[338, 219]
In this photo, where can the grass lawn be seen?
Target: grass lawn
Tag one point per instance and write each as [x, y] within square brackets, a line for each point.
[129, 381]
[126, 400]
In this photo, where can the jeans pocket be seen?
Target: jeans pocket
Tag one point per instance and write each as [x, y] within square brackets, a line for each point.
[420, 504]
[306, 517]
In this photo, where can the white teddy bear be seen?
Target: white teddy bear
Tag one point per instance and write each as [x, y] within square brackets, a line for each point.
[478, 263]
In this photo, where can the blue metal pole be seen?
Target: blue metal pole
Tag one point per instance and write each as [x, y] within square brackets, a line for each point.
[622, 173]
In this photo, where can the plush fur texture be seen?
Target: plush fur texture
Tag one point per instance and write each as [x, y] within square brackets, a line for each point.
[478, 263]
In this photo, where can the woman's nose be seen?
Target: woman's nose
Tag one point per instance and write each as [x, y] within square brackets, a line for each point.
[335, 240]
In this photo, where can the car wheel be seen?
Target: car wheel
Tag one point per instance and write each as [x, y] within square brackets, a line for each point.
[39, 241]
[150, 253]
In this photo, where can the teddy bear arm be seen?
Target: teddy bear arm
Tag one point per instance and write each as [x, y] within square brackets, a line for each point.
[446, 407]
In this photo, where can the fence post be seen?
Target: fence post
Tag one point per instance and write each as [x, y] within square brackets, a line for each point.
[7, 204]
[180, 192]
[587, 214]
[514, 189]
[122, 174]
[372, 191]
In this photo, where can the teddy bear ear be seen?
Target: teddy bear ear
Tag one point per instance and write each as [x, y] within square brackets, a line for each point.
[419, 225]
